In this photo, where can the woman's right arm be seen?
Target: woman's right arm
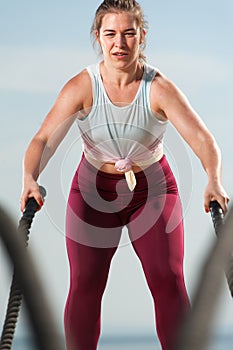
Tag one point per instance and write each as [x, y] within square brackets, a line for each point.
[55, 126]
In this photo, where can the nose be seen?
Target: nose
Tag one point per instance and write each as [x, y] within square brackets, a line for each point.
[120, 41]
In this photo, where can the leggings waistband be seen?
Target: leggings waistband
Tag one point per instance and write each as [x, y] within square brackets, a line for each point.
[140, 174]
[158, 177]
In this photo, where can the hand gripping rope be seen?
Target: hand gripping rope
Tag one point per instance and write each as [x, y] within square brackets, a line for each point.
[218, 222]
[25, 282]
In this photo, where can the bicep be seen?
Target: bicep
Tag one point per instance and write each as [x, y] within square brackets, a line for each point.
[181, 114]
[63, 113]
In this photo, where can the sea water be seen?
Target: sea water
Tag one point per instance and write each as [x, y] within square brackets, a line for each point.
[220, 342]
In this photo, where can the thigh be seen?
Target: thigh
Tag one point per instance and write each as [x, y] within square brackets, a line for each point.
[91, 225]
[89, 266]
[160, 245]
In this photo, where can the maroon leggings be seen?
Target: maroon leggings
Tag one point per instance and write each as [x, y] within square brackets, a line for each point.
[99, 206]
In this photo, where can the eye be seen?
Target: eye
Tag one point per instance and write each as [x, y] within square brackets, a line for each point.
[109, 34]
[130, 34]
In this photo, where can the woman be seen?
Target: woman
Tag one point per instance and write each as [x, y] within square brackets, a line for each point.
[122, 107]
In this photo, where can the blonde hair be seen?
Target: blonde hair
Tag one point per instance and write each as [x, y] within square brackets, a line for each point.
[116, 6]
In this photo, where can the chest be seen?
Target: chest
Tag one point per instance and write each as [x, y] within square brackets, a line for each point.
[122, 96]
[126, 125]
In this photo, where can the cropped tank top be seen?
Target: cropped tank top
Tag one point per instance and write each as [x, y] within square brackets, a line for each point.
[124, 135]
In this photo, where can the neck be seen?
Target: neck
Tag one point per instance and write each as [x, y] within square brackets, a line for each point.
[119, 76]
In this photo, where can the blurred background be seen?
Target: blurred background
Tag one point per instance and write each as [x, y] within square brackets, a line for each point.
[43, 44]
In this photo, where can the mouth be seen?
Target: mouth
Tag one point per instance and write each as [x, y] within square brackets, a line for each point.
[120, 54]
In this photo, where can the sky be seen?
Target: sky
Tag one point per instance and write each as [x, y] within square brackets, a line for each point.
[43, 44]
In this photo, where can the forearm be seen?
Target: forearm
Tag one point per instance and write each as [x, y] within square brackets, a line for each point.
[210, 157]
[36, 158]
[43, 146]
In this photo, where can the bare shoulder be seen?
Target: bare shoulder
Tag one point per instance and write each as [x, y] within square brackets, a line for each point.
[162, 86]
[73, 98]
[79, 87]
[164, 93]
[75, 95]
[81, 79]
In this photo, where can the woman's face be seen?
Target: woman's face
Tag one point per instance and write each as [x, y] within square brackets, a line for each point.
[119, 38]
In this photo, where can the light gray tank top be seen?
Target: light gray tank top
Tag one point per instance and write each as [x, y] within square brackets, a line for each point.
[123, 135]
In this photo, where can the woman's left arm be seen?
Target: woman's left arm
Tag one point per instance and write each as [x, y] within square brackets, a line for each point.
[175, 106]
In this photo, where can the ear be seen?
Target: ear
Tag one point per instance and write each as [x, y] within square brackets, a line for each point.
[143, 35]
[97, 36]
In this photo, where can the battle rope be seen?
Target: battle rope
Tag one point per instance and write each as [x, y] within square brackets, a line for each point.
[15, 296]
[217, 215]
[196, 329]
[25, 282]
